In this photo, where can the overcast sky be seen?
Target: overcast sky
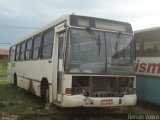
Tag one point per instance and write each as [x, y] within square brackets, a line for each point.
[19, 18]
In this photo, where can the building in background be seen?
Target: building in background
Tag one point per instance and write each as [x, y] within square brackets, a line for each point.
[4, 56]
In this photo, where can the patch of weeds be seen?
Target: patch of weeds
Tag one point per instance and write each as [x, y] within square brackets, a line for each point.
[3, 70]
[2, 105]
[11, 104]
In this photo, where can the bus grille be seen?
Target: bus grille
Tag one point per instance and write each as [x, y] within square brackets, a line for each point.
[104, 87]
[99, 85]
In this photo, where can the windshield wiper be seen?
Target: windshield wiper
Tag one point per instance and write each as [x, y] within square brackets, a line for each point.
[91, 33]
[94, 37]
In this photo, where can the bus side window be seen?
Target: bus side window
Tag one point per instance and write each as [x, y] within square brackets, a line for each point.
[17, 52]
[36, 47]
[10, 54]
[47, 44]
[151, 48]
[28, 49]
[22, 51]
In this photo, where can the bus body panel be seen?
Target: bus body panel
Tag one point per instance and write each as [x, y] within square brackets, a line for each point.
[81, 101]
[148, 88]
[29, 75]
[148, 80]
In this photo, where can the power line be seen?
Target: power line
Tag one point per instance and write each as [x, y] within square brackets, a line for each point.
[16, 27]
[5, 43]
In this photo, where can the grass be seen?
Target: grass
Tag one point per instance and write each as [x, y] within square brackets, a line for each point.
[16, 101]
[3, 69]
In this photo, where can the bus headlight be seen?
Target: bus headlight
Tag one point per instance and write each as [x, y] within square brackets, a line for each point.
[85, 93]
[123, 90]
[130, 91]
[127, 90]
[126, 86]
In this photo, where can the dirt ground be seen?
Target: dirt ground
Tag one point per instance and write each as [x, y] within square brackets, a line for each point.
[17, 104]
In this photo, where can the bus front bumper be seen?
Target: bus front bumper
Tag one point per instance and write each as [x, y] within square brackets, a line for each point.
[82, 101]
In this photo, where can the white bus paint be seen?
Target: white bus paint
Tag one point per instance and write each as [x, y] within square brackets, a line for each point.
[68, 80]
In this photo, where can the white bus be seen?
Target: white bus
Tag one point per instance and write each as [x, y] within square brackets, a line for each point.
[77, 61]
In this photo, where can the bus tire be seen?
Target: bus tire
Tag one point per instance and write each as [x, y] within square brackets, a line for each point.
[15, 80]
[45, 90]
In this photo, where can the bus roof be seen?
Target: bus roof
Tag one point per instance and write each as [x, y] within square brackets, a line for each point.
[147, 30]
[53, 23]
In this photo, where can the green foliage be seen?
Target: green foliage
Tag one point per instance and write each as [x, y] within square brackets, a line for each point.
[3, 69]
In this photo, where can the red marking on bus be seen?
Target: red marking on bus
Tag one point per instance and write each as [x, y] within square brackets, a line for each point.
[107, 101]
[147, 67]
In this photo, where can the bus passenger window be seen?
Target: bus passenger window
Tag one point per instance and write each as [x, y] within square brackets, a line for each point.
[28, 49]
[17, 52]
[22, 53]
[47, 44]
[36, 47]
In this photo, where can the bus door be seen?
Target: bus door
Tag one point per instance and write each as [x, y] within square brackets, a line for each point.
[60, 31]
[61, 37]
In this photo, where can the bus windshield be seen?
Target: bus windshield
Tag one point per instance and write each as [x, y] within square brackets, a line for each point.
[97, 52]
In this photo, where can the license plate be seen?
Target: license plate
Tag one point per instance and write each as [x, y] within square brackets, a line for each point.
[107, 102]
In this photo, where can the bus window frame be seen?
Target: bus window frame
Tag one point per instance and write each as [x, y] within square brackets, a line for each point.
[10, 52]
[30, 39]
[39, 48]
[17, 53]
[43, 46]
[100, 30]
[142, 52]
[20, 53]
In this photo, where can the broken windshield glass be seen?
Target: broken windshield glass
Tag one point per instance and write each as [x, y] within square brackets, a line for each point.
[95, 37]
[98, 52]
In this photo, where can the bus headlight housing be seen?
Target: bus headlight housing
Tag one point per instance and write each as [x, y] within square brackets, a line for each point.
[126, 86]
